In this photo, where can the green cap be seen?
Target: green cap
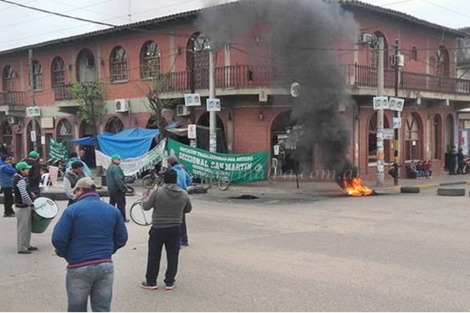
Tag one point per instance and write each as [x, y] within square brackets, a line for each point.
[34, 154]
[116, 157]
[23, 165]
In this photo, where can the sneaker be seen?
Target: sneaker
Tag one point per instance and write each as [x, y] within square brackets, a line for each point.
[144, 285]
[33, 248]
[170, 287]
[24, 252]
[185, 244]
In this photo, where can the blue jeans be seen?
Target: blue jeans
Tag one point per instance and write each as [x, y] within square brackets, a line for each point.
[94, 280]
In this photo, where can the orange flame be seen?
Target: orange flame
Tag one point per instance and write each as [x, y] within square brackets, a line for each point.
[356, 188]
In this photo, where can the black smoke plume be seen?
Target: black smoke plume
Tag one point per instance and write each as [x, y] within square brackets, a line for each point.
[303, 37]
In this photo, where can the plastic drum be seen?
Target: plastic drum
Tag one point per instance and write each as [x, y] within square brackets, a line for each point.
[44, 213]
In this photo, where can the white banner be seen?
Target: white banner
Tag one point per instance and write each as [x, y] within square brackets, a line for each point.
[132, 166]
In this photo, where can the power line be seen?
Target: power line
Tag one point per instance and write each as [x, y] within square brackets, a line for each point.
[58, 14]
[447, 9]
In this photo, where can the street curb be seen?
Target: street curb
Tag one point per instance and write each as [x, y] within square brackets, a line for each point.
[431, 186]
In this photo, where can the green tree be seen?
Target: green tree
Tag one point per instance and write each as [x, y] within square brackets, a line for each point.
[91, 97]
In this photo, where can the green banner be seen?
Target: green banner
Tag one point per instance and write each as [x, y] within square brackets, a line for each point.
[58, 150]
[242, 168]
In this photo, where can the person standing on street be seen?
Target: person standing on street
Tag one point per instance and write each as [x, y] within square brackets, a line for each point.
[24, 205]
[88, 233]
[34, 173]
[170, 203]
[6, 181]
[117, 185]
[184, 180]
[71, 178]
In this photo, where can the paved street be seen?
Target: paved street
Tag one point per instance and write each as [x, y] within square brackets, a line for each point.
[281, 252]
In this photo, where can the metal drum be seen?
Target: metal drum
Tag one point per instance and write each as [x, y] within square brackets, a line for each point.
[44, 213]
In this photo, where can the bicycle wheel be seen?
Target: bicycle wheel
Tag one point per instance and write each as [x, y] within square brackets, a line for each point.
[148, 182]
[206, 181]
[139, 216]
[224, 182]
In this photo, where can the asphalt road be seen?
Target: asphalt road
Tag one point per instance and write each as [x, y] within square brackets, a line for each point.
[391, 252]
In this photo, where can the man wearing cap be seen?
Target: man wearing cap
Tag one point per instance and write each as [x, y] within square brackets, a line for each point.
[88, 233]
[184, 180]
[6, 181]
[34, 173]
[70, 179]
[117, 185]
[23, 205]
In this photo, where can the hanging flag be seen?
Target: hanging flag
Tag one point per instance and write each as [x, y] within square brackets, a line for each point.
[58, 150]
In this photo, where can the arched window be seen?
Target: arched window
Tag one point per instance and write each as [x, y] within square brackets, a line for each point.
[86, 70]
[414, 54]
[114, 125]
[58, 72]
[8, 79]
[149, 60]
[374, 52]
[437, 137]
[65, 132]
[413, 137]
[118, 65]
[37, 75]
[197, 61]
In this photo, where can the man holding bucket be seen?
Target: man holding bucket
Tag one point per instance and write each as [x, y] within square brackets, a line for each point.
[23, 204]
[89, 232]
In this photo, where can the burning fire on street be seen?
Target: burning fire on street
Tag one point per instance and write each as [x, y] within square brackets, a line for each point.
[356, 188]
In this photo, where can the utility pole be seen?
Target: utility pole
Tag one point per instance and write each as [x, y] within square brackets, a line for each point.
[396, 144]
[212, 114]
[380, 116]
[31, 94]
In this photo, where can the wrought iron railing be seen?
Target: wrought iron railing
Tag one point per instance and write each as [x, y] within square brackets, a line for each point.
[12, 98]
[62, 93]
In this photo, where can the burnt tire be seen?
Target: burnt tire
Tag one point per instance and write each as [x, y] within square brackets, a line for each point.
[451, 192]
[198, 190]
[410, 190]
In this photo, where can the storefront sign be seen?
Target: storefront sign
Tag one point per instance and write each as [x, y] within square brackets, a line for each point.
[242, 168]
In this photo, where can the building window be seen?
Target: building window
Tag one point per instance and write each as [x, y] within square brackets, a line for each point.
[37, 76]
[149, 60]
[114, 125]
[442, 62]
[414, 54]
[118, 65]
[58, 72]
[8, 79]
[374, 53]
[197, 61]
[412, 138]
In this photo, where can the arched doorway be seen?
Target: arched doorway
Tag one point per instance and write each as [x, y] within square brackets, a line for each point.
[86, 130]
[197, 61]
[203, 133]
[86, 67]
[29, 142]
[442, 62]
[114, 125]
[372, 142]
[437, 137]
[413, 137]
[279, 133]
[374, 52]
[65, 133]
[7, 133]
[449, 132]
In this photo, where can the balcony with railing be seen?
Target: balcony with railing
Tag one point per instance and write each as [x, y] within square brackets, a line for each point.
[366, 76]
[12, 98]
[62, 93]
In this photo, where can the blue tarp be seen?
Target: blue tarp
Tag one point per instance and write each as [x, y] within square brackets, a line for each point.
[85, 141]
[129, 143]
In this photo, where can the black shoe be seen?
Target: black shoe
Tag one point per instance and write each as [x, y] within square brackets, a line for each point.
[9, 215]
[24, 252]
[148, 286]
[33, 248]
[185, 244]
[170, 287]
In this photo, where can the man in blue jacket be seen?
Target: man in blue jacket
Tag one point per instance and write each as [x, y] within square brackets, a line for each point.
[184, 180]
[89, 232]
[6, 182]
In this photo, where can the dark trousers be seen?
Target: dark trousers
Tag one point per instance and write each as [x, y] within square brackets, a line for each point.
[8, 202]
[118, 198]
[184, 231]
[170, 237]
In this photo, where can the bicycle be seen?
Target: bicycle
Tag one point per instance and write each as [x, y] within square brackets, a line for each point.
[153, 179]
[223, 180]
[139, 215]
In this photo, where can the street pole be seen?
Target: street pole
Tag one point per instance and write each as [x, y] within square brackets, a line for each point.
[396, 144]
[212, 114]
[31, 94]
[380, 116]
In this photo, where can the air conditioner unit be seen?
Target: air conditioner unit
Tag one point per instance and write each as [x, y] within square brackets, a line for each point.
[33, 111]
[182, 110]
[121, 105]
[367, 38]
